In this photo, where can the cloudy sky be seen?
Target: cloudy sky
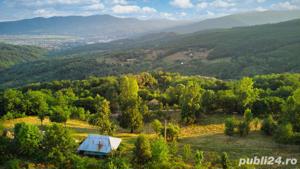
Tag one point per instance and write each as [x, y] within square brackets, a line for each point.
[143, 9]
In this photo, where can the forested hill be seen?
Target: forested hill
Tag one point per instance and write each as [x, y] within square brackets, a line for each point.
[225, 53]
[13, 54]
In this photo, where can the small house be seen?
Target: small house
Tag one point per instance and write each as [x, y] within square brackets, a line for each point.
[98, 145]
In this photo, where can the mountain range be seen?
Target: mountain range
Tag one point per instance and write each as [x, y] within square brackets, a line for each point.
[225, 53]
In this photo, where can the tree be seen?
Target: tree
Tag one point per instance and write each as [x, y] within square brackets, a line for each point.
[293, 108]
[246, 93]
[27, 138]
[156, 126]
[268, 125]
[199, 159]
[129, 100]
[38, 104]
[190, 103]
[60, 114]
[102, 117]
[58, 145]
[142, 152]
[13, 101]
[160, 151]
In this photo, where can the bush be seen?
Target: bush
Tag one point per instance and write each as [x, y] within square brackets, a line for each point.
[230, 125]
[284, 133]
[28, 138]
[243, 128]
[296, 138]
[187, 152]
[198, 159]
[225, 161]
[173, 131]
[268, 125]
[156, 126]
[58, 145]
[5, 149]
[13, 164]
[160, 151]
[142, 151]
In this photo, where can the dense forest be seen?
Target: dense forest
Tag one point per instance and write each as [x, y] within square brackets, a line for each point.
[12, 54]
[131, 102]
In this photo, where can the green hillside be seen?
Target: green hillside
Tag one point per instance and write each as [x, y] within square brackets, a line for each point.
[226, 54]
[12, 54]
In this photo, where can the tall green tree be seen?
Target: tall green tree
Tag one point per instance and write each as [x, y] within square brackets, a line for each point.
[190, 102]
[246, 93]
[37, 104]
[129, 101]
[102, 117]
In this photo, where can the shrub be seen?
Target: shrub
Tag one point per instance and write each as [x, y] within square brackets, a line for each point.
[230, 125]
[284, 133]
[198, 159]
[248, 116]
[28, 138]
[58, 145]
[225, 161]
[13, 164]
[187, 152]
[160, 151]
[243, 128]
[296, 138]
[156, 126]
[268, 125]
[173, 131]
[142, 151]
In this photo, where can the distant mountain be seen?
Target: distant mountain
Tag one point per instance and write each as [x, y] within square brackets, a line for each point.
[104, 26]
[238, 20]
[224, 53]
[12, 54]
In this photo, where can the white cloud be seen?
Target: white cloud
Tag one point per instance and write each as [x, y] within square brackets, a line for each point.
[96, 6]
[121, 2]
[182, 3]
[222, 4]
[202, 5]
[260, 9]
[127, 9]
[284, 6]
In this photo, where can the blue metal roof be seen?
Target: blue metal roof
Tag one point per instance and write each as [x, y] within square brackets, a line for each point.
[99, 144]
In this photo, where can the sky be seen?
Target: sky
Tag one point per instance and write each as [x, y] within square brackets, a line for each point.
[142, 9]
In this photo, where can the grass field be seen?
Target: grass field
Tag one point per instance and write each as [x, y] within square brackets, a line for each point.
[207, 136]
